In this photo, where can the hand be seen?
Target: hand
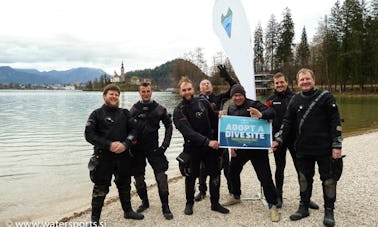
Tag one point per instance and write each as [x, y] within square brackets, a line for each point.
[160, 150]
[336, 153]
[255, 113]
[221, 113]
[117, 147]
[233, 152]
[223, 72]
[214, 144]
[275, 145]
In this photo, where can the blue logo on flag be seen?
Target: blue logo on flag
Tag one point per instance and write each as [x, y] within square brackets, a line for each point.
[227, 22]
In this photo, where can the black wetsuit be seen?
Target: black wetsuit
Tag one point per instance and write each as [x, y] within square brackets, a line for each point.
[197, 122]
[317, 132]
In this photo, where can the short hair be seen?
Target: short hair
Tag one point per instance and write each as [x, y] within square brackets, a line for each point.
[278, 75]
[306, 70]
[184, 79]
[145, 84]
[111, 87]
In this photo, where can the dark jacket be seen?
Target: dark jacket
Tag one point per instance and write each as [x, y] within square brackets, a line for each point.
[219, 99]
[106, 125]
[149, 116]
[196, 121]
[279, 102]
[318, 131]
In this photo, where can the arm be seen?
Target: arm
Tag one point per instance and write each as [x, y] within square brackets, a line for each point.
[287, 123]
[182, 124]
[93, 135]
[166, 119]
[335, 126]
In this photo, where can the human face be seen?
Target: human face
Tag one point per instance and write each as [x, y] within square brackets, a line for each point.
[238, 99]
[145, 93]
[111, 99]
[206, 87]
[305, 81]
[186, 90]
[280, 84]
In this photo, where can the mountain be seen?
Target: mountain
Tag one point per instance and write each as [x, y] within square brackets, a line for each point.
[33, 76]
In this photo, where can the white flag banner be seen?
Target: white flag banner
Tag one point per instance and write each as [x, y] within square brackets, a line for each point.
[231, 26]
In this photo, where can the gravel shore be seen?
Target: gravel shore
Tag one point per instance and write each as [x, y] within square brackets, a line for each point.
[356, 205]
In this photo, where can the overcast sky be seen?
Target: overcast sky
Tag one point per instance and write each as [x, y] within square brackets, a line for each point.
[63, 34]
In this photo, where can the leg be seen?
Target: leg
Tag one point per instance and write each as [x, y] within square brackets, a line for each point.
[190, 182]
[138, 170]
[280, 160]
[226, 168]
[202, 183]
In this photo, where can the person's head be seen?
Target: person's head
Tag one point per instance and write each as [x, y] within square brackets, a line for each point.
[145, 92]
[111, 95]
[280, 82]
[206, 87]
[186, 88]
[237, 94]
[305, 79]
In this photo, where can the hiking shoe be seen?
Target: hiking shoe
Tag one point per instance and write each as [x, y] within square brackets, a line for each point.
[231, 200]
[329, 219]
[219, 208]
[188, 209]
[313, 205]
[279, 202]
[133, 215]
[274, 215]
[200, 196]
[302, 212]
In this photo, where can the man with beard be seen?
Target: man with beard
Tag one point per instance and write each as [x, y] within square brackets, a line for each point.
[197, 122]
[109, 130]
[149, 114]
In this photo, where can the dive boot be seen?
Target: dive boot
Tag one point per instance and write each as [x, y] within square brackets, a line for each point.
[302, 212]
[329, 219]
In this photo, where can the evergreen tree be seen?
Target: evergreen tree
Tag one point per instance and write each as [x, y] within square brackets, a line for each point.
[258, 49]
[271, 42]
[303, 51]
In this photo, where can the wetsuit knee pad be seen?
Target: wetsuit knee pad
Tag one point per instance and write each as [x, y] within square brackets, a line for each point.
[215, 180]
[100, 190]
[162, 180]
[302, 182]
[139, 182]
[330, 188]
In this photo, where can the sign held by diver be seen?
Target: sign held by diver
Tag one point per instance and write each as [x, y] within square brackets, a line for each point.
[244, 133]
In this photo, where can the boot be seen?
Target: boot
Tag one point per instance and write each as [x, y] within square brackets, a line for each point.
[274, 215]
[188, 209]
[200, 196]
[329, 219]
[302, 212]
[167, 212]
[232, 200]
[219, 208]
[279, 201]
[133, 215]
[313, 205]
[145, 205]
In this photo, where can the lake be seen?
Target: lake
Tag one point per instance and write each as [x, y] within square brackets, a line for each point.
[44, 156]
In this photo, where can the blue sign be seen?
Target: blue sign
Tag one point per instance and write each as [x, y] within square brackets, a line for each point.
[244, 132]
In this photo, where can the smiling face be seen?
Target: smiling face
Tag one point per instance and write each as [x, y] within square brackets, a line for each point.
[305, 80]
[186, 90]
[206, 87]
[238, 99]
[280, 84]
[111, 98]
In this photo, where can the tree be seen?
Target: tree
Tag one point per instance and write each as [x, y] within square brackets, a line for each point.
[271, 42]
[303, 51]
[258, 49]
[285, 44]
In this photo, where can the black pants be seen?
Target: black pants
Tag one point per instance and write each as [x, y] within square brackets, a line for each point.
[260, 162]
[210, 159]
[109, 165]
[306, 168]
[225, 164]
[280, 160]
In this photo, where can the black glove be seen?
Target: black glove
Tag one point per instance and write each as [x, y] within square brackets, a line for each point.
[160, 150]
[223, 73]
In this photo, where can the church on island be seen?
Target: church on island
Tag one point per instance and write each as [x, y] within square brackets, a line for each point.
[122, 78]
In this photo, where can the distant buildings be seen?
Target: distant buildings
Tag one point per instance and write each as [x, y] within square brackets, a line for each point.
[264, 83]
[119, 78]
[122, 78]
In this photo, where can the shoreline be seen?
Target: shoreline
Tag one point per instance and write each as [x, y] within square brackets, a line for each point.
[355, 206]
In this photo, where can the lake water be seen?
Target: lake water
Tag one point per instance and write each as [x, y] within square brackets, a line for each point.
[44, 156]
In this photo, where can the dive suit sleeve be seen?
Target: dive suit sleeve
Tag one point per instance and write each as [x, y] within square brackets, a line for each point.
[334, 121]
[287, 123]
[268, 113]
[182, 124]
[92, 132]
[167, 121]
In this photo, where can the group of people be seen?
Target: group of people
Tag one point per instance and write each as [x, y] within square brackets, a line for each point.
[307, 123]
